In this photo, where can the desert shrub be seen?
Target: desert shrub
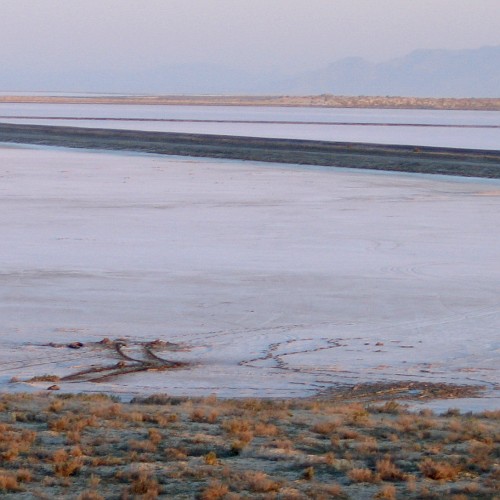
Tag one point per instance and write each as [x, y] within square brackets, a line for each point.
[405, 424]
[388, 471]
[439, 470]
[359, 417]
[8, 482]
[134, 416]
[94, 481]
[426, 412]
[490, 414]
[60, 424]
[144, 484]
[367, 446]
[24, 476]
[323, 491]
[160, 420]
[153, 399]
[281, 444]
[159, 399]
[90, 495]
[214, 491]
[288, 493]
[211, 458]
[236, 426]
[143, 445]
[155, 436]
[204, 416]
[72, 422]
[259, 482]
[326, 428]
[348, 433]
[387, 492]
[56, 406]
[11, 453]
[73, 437]
[237, 446]
[362, 476]
[390, 407]
[66, 465]
[253, 405]
[176, 454]
[107, 411]
[264, 430]
[68, 468]
[426, 423]
[308, 474]
[481, 456]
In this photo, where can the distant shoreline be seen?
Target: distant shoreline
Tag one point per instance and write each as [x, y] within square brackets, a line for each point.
[313, 101]
[427, 160]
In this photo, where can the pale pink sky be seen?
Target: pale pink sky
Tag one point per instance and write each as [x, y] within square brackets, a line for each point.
[288, 35]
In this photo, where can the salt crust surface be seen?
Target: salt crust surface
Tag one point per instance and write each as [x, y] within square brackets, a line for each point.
[280, 279]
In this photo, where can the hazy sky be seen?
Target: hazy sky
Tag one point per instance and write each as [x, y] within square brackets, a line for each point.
[261, 35]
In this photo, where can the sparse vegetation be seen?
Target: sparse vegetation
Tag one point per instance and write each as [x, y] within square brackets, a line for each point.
[323, 100]
[92, 447]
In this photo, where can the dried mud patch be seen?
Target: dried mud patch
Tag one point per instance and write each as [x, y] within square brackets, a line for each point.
[131, 357]
[405, 391]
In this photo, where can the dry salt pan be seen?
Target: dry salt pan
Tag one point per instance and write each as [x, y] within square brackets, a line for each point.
[275, 280]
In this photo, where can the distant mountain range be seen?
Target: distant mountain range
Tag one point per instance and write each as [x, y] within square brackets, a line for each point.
[422, 73]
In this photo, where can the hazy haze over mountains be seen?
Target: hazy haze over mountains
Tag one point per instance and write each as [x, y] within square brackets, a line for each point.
[350, 47]
[422, 73]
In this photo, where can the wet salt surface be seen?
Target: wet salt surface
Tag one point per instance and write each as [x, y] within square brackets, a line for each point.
[279, 280]
[411, 127]
[252, 113]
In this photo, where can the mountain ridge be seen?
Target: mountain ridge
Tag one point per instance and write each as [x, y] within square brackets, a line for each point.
[436, 73]
[421, 73]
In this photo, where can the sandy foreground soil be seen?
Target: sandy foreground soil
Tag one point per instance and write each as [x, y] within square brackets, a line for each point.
[253, 279]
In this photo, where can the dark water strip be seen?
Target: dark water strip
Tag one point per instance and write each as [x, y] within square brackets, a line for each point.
[428, 160]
